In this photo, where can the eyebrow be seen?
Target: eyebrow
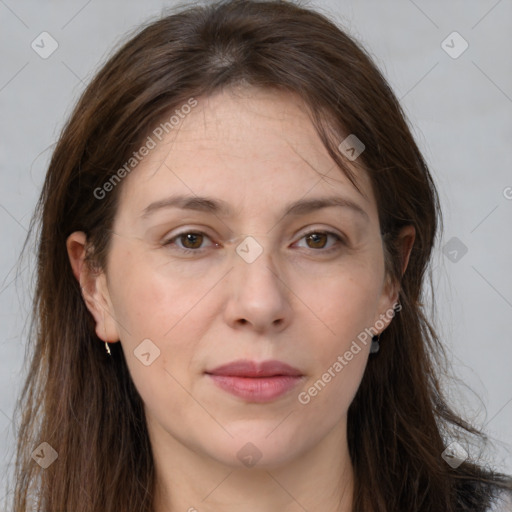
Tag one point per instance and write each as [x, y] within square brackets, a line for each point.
[220, 207]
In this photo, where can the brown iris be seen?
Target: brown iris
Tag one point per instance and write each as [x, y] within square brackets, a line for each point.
[318, 240]
[191, 240]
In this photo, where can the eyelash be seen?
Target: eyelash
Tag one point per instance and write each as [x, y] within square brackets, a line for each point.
[171, 241]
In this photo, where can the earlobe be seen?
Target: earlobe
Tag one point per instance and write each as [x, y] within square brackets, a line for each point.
[93, 287]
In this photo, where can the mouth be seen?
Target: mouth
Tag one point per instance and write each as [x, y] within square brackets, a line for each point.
[256, 382]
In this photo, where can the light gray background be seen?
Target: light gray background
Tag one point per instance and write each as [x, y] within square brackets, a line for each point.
[460, 110]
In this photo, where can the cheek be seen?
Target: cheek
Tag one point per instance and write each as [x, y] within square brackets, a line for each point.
[169, 310]
[344, 307]
[159, 310]
[340, 350]
[345, 303]
[150, 303]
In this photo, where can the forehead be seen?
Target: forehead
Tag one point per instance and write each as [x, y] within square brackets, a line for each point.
[247, 147]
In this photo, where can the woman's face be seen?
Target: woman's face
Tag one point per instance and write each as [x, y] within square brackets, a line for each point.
[237, 238]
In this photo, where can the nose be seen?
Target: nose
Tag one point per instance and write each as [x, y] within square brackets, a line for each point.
[258, 295]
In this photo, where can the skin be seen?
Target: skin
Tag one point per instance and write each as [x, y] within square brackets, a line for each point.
[257, 151]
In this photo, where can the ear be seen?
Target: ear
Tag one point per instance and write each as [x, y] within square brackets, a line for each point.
[405, 242]
[93, 285]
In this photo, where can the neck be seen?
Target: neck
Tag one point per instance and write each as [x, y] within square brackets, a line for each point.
[321, 478]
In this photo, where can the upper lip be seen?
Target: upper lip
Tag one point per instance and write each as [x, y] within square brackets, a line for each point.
[247, 368]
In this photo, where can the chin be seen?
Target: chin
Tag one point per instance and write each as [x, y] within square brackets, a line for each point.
[258, 448]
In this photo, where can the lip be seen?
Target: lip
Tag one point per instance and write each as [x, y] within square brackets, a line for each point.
[247, 368]
[256, 382]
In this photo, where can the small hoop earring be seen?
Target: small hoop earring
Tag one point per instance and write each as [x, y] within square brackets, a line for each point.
[107, 348]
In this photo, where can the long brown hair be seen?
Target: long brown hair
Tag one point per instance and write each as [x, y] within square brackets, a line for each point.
[85, 405]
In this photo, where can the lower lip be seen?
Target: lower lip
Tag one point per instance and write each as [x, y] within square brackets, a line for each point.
[257, 389]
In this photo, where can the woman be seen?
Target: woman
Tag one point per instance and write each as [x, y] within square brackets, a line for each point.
[235, 228]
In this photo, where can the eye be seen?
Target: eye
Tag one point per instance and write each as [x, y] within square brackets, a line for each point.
[319, 240]
[188, 241]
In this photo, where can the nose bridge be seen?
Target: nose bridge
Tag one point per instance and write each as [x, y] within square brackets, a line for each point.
[249, 247]
[254, 257]
[258, 295]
